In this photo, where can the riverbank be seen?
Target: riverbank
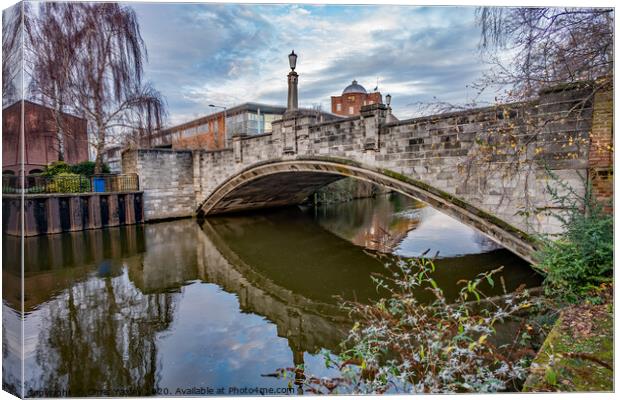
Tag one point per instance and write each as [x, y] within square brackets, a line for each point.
[577, 355]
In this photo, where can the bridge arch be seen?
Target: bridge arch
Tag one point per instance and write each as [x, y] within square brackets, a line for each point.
[289, 181]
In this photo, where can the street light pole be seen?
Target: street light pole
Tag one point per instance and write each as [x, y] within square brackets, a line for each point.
[390, 118]
[225, 127]
[291, 104]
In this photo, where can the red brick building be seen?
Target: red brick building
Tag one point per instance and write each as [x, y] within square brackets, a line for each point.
[353, 98]
[40, 141]
[214, 131]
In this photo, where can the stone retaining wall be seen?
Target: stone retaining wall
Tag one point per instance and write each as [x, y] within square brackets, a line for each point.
[167, 181]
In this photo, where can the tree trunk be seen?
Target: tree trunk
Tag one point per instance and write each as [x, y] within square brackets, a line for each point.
[99, 149]
[59, 135]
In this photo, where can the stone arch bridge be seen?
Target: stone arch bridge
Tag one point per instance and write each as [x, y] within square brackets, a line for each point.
[489, 168]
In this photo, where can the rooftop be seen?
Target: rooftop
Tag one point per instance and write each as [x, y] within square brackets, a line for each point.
[354, 87]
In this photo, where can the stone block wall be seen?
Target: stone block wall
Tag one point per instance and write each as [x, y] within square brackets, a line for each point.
[214, 168]
[167, 180]
[339, 139]
[497, 158]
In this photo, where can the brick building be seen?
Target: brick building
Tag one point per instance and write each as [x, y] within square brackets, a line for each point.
[353, 98]
[39, 139]
[601, 154]
[214, 131]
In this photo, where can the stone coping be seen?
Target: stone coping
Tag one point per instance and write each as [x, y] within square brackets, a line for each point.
[44, 195]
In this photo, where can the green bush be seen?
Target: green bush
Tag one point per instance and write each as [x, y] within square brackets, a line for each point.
[57, 167]
[67, 182]
[582, 258]
[87, 168]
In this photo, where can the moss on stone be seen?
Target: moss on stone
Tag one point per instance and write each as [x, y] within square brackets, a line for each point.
[332, 159]
[561, 366]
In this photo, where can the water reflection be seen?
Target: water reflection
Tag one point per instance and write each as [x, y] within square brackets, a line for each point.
[373, 223]
[180, 305]
[398, 224]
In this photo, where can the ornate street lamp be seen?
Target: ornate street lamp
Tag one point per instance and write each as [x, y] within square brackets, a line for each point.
[292, 60]
[291, 103]
[390, 118]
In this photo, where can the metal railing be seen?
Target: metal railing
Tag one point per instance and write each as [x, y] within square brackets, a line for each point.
[34, 184]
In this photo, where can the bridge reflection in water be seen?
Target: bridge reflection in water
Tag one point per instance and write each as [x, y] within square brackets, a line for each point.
[177, 304]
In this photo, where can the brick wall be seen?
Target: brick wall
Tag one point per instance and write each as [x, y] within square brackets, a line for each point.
[601, 156]
[41, 144]
[354, 100]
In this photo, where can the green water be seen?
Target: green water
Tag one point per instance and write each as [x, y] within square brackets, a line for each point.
[182, 306]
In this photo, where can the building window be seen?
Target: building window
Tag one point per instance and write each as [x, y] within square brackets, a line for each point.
[364, 102]
[351, 110]
[351, 98]
[270, 118]
[339, 107]
[371, 102]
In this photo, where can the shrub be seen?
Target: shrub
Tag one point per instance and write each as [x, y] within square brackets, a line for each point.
[69, 183]
[582, 257]
[87, 168]
[57, 167]
[400, 344]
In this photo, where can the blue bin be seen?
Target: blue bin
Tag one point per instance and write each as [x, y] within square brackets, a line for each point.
[99, 184]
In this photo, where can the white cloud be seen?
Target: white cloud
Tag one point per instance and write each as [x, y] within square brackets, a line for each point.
[229, 54]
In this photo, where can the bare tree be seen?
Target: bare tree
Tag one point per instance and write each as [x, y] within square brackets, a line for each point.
[544, 46]
[12, 55]
[531, 49]
[55, 35]
[109, 86]
[88, 58]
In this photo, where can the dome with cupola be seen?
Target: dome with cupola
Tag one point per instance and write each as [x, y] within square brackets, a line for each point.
[354, 87]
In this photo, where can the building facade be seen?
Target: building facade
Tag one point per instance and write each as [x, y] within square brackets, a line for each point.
[352, 99]
[41, 145]
[216, 130]
[112, 157]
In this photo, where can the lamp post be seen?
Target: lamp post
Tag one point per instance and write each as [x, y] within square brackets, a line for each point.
[291, 104]
[225, 127]
[390, 117]
[292, 60]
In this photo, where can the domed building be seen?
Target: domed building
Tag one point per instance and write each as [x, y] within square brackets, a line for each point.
[352, 99]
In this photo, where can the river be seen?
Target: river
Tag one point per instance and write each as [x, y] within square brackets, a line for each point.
[183, 307]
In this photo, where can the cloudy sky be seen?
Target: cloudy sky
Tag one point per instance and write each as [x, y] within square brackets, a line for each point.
[226, 54]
